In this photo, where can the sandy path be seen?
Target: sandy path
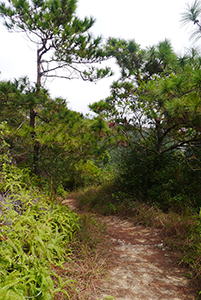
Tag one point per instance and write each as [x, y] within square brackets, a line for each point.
[141, 268]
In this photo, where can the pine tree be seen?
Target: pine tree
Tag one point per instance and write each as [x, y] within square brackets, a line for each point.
[155, 104]
[192, 15]
[63, 40]
[65, 47]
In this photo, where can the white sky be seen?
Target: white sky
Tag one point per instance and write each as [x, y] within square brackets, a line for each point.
[146, 21]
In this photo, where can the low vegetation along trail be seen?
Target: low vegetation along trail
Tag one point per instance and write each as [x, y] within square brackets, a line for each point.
[140, 266]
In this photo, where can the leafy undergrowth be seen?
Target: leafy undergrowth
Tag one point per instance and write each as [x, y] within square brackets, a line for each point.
[35, 235]
[46, 250]
[181, 227]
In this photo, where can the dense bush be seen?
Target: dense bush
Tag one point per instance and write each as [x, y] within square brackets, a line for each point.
[170, 180]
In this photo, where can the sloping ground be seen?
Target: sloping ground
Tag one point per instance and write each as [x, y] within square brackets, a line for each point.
[140, 267]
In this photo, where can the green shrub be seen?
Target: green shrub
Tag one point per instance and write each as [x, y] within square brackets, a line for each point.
[35, 234]
[166, 180]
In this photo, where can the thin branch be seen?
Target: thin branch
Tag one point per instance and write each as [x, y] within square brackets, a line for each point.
[180, 145]
[42, 118]
[169, 129]
[20, 125]
[56, 68]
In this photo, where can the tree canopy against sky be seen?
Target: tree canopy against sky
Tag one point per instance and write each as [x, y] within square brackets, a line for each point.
[65, 47]
[192, 14]
[63, 40]
[156, 101]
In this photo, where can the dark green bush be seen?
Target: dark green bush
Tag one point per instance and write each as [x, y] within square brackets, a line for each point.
[169, 180]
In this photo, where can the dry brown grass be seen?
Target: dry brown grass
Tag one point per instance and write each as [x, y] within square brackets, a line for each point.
[181, 230]
[88, 261]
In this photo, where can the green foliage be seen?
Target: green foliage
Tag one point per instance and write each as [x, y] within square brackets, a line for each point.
[4, 146]
[59, 33]
[35, 235]
[62, 143]
[13, 179]
[155, 109]
[171, 181]
[64, 43]
[192, 14]
[167, 180]
[84, 174]
[155, 104]
[67, 151]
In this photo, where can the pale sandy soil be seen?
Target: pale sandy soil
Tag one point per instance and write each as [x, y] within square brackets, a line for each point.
[140, 266]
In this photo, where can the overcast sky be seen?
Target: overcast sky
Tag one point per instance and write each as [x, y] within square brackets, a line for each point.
[146, 21]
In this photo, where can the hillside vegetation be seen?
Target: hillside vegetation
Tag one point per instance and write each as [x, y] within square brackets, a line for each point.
[139, 157]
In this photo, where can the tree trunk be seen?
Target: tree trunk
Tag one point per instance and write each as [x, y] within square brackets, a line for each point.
[39, 68]
[160, 136]
[33, 117]
[36, 144]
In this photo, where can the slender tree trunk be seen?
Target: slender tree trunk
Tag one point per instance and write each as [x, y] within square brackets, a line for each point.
[160, 139]
[33, 115]
[39, 68]
[160, 136]
[36, 144]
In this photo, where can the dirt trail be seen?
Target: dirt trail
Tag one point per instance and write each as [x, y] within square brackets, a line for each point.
[141, 268]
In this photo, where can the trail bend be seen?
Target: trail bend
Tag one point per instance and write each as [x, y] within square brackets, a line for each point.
[140, 268]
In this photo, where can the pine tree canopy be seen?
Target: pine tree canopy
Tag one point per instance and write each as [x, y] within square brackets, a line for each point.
[63, 40]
